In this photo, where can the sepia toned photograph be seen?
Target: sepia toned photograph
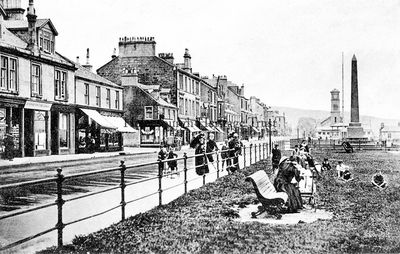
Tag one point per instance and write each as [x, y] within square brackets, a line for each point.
[187, 126]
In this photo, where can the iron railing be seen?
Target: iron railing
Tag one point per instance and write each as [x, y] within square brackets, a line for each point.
[59, 179]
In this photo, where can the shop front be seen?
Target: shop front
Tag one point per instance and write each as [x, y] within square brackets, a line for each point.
[11, 122]
[156, 133]
[62, 129]
[37, 119]
[94, 133]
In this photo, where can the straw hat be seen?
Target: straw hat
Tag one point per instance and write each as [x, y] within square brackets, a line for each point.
[284, 158]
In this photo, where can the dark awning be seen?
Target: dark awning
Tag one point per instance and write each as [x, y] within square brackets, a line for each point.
[154, 123]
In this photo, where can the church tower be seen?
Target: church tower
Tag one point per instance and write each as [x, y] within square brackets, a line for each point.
[335, 107]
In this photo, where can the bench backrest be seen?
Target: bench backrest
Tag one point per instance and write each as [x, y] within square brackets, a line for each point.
[261, 182]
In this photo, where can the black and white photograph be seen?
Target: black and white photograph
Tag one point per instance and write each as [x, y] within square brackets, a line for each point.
[188, 126]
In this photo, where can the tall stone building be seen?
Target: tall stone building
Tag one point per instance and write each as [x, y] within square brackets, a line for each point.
[177, 83]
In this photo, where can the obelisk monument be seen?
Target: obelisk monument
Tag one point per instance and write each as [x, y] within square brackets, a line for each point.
[354, 131]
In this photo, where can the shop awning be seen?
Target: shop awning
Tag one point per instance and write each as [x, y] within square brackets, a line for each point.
[154, 123]
[120, 123]
[101, 120]
[219, 129]
[37, 105]
[255, 129]
[193, 129]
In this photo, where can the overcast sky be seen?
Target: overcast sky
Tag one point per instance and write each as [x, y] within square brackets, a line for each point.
[287, 53]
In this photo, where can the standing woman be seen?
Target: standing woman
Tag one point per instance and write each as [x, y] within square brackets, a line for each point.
[283, 182]
[200, 161]
[211, 146]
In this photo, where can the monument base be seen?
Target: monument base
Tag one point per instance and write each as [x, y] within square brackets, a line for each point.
[355, 131]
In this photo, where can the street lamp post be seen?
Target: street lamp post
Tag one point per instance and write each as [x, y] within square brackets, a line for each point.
[270, 133]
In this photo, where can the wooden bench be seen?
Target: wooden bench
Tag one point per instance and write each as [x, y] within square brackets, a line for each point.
[270, 199]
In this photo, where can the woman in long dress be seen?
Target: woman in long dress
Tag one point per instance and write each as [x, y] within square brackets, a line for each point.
[283, 182]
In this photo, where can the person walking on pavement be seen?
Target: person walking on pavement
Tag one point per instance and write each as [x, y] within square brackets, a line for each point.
[276, 156]
[162, 155]
[211, 146]
[9, 147]
[172, 164]
[235, 147]
[225, 154]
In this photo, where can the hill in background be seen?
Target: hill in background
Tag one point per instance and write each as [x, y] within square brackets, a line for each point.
[293, 115]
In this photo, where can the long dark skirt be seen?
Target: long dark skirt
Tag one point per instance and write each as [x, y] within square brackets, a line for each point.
[294, 201]
[201, 167]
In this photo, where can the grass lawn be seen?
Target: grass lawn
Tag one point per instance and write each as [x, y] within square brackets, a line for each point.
[365, 219]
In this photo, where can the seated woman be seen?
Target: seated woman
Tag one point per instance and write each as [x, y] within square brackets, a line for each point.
[283, 182]
[343, 171]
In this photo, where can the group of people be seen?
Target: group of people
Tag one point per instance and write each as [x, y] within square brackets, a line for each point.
[166, 152]
[230, 152]
[289, 171]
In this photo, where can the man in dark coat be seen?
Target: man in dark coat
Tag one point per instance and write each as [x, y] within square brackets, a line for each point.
[235, 146]
[276, 156]
[200, 161]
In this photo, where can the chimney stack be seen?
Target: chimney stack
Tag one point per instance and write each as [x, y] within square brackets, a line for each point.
[31, 16]
[88, 65]
[169, 57]
[114, 55]
[187, 65]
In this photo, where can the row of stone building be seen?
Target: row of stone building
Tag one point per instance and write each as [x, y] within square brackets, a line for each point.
[52, 105]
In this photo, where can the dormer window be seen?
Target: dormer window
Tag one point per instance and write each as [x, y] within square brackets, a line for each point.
[46, 41]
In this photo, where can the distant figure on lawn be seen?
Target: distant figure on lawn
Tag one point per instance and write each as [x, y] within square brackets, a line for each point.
[283, 182]
[348, 147]
[343, 171]
[276, 156]
[325, 165]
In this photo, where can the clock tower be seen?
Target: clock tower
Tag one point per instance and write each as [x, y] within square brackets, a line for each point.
[335, 107]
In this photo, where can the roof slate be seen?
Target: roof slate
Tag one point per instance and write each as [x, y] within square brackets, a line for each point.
[85, 73]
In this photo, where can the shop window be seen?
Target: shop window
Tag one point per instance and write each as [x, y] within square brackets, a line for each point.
[108, 104]
[98, 96]
[60, 87]
[87, 94]
[64, 130]
[148, 112]
[117, 99]
[36, 80]
[40, 130]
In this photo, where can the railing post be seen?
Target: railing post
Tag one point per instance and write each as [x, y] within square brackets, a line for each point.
[205, 164]
[244, 156]
[185, 171]
[123, 185]
[216, 153]
[259, 152]
[60, 202]
[255, 153]
[263, 151]
[251, 145]
[160, 174]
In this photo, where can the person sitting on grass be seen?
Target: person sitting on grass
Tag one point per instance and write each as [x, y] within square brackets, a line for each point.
[343, 171]
[326, 165]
